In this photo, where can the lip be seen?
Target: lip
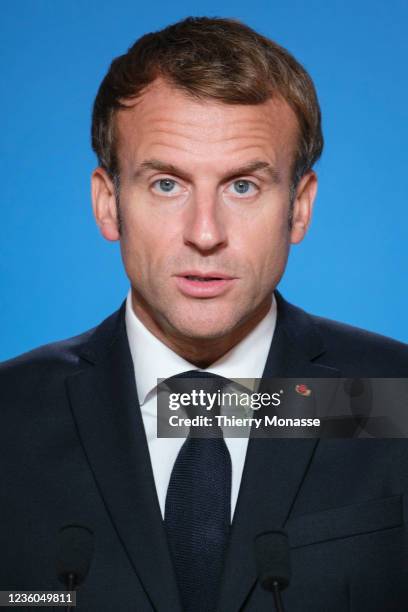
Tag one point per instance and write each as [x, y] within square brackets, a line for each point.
[204, 289]
[210, 274]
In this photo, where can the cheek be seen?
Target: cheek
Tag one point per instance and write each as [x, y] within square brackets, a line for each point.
[137, 243]
[146, 247]
[264, 244]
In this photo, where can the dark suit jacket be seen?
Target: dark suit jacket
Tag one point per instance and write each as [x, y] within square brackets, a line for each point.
[73, 450]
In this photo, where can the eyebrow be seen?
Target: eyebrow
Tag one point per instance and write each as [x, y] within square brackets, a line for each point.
[255, 165]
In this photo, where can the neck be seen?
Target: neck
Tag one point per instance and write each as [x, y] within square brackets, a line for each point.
[201, 352]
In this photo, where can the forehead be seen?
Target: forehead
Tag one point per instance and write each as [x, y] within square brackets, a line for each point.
[167, 124]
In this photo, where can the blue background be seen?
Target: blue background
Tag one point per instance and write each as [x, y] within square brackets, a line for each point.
[59, 277]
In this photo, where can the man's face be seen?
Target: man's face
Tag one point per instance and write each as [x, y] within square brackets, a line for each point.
[204, 207]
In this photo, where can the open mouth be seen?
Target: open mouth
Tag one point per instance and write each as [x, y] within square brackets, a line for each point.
[204, 286]
[203, 278]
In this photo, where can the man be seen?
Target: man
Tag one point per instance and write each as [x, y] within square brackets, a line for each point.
[206, 135]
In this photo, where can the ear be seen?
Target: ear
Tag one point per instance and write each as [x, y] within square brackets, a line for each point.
[302, 206]
[104, 204]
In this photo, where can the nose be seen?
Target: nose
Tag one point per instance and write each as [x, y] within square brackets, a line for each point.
[204, 227]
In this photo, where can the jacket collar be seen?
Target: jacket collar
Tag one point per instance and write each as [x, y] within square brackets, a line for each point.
[294, 327]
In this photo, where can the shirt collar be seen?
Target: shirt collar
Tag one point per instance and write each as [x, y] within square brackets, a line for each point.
[154, 360]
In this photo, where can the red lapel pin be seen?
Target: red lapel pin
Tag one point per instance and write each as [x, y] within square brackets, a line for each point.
[303, 390]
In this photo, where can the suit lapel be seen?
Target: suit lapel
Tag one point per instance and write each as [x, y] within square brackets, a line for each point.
[274, 468]
[106, 410]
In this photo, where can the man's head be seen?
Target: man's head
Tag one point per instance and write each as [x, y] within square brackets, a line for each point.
[206, 134]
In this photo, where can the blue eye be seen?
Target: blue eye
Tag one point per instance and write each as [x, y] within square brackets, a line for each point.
[242, 187]
[165, 185]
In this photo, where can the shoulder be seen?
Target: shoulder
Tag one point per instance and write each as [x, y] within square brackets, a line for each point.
[350, 346]
[342, 346]
[30, 374]
[62, 353]
[48, 365]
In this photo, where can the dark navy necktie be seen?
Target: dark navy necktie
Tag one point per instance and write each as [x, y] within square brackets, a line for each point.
[198, 506]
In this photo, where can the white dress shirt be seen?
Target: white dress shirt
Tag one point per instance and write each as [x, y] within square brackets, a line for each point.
[152, 360]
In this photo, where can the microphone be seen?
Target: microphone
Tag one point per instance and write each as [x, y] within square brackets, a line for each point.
[272, 557]
[74, 555]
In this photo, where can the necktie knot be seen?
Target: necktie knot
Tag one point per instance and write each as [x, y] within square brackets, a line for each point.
[202, 395]
[186, 381]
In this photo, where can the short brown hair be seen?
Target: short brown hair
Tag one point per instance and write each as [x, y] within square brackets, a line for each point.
[220, 59]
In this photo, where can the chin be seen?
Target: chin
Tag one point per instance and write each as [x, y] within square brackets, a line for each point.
[202, 327]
